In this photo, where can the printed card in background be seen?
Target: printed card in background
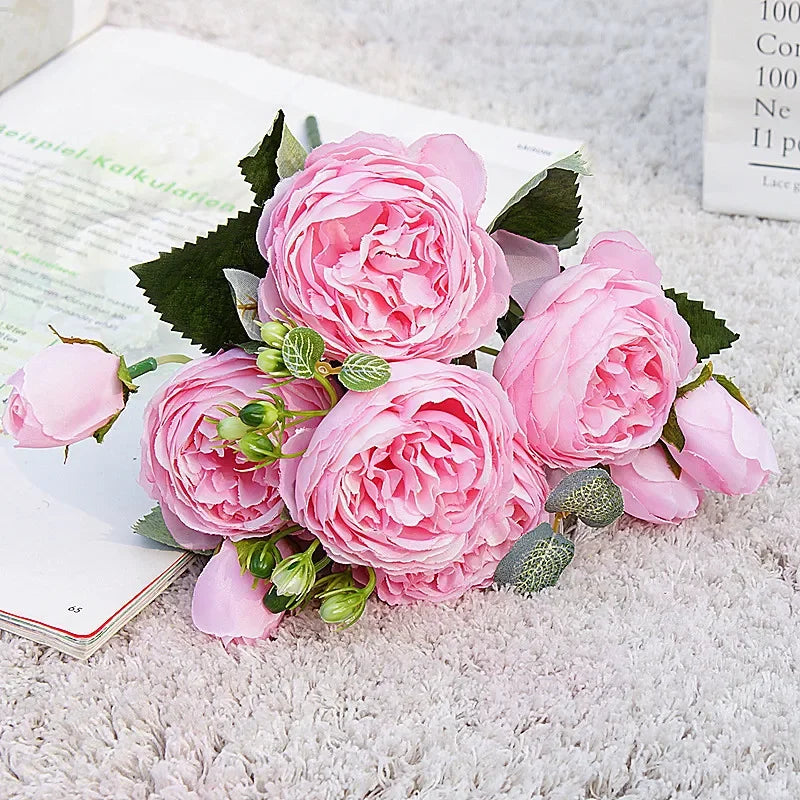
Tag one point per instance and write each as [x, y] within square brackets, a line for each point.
[752, 113]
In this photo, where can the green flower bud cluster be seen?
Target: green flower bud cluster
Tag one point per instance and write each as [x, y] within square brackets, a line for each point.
[343, 602]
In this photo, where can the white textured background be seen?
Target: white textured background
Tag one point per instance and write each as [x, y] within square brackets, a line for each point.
[664, 665]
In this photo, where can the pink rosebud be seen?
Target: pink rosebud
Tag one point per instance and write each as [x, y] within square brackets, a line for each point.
[376, 246]
[411, 476]
[523, 511]
[226, 604]
[593, 368]
[63, 395]
[650, 490]
[727, 449]
[202, 488]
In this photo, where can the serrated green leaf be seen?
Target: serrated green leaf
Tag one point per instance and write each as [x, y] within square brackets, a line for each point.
[732, 389]
[302, 349]
[672, 433]
[260, 169]
[152, 526]
[547, 208]
[709, 333]
[363, 372]
[187, 285]
[705, 375]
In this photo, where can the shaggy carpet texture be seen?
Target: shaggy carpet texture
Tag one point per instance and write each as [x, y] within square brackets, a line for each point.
[663, 665]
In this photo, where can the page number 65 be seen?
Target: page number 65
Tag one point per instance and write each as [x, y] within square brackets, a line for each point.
[75, 609]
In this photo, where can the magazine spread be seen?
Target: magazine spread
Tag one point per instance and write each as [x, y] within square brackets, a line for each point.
[124, 146]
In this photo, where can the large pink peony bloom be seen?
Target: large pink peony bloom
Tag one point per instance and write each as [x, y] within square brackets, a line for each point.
[375, 245]
[205, 492]
[727, 449]
[408, 477]
[650, 490]
[593, 369]
[523, 511]
[62, 395]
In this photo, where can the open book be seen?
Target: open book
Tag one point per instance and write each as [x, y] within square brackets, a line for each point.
[124, 146]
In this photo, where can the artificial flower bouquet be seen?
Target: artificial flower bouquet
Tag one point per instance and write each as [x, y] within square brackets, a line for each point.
[337, 440]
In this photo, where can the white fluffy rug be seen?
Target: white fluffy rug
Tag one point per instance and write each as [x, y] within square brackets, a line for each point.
[662, 667]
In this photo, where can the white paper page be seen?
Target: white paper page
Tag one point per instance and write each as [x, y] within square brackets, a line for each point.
[33, 31]
[126, 145]
[752, 136]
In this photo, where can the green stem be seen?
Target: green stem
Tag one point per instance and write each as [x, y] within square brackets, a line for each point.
[370, 583]
[326, 384]
[150, 364]
[312, 132]
[322, 564]
[489, 350]
[173, 358]
[276, 537]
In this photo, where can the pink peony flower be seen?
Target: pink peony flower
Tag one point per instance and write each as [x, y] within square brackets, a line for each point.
[523, 511]
[206, 492]
[62, 395]
[593, 369]
[727, 449]
[407, 477]
[650, 490]
[226, 604]
[376, 246]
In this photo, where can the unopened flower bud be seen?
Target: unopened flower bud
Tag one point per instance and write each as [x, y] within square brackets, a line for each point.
[260, 414]
[261, 562]
[270, 361]
[231, 428]
[273, 332]
[295, 575]
[257, 446]
[343, 607]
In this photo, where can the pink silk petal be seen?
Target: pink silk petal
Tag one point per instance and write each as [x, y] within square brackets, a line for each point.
[226, 605]
[530, 263]
[185, 536]
[623, 249]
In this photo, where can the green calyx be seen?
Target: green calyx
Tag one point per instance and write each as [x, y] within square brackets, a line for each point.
[259, 414]
[343, 603]
[270, 361]
[590, 494]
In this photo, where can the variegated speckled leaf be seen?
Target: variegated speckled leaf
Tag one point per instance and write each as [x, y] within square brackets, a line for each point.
[362, 372]
[590, 494]
[302, 349]
[535, 561]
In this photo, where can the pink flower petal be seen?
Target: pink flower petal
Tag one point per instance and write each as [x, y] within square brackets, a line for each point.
[530, 263]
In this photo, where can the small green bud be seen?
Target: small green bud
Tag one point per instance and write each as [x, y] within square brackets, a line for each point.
[343, 607]
[270, 361]
[231, 428]
[295, 575]
[276, 603]
[273, 332]
[261, 562]
[259, 414]
[257, 447]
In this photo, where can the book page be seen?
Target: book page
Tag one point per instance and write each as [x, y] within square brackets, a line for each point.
[126, 145]
[752, 139]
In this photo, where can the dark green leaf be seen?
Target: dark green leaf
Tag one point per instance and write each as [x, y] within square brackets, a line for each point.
[672, 433]
[188, 288]
[547, 208]
[260, 169]
[363, 372]
[709, 333]
[302, 349]
[510, 321]
[535, 561]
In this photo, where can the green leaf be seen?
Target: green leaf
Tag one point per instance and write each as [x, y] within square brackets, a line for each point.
[709, 333]
[302, 349]
[672, 433]
[535, 561]
[590, 494]
[509, 322]
[705, 375]
[547, 208]
[100, 433]
[188, 288]
[362, 372]
[732, 389]
[260, 169]
[291, 154]
[152, 526]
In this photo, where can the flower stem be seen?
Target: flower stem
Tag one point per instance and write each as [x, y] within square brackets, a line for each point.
[150, 364]
[312, 132]
[370, 583]
[326, 384]
[173, 358]
[489, 350]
